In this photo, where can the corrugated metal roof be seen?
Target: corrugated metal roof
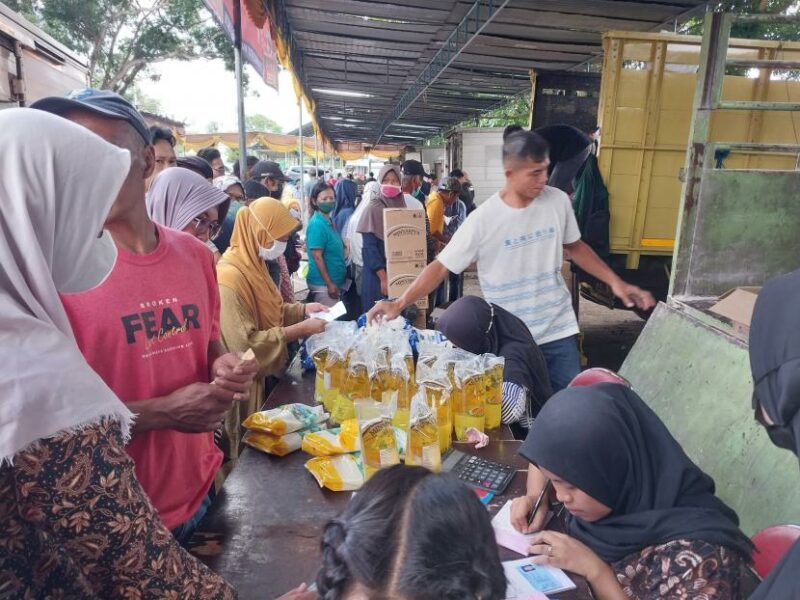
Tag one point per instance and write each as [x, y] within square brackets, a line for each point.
[375, 50]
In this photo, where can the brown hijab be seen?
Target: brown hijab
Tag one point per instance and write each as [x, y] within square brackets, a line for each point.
[372, 219]
[241, 268]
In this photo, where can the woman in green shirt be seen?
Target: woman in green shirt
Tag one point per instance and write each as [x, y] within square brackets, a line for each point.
[327, 270]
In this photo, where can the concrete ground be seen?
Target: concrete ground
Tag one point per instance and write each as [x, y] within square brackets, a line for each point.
[608, 335]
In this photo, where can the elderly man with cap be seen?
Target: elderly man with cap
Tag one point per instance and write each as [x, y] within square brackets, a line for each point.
[151, 328]
[269, 174]
[412, 174]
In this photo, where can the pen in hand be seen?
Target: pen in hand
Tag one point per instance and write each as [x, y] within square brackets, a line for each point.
[542, 495]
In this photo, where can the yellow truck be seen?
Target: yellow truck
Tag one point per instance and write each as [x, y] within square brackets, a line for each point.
[645, 112]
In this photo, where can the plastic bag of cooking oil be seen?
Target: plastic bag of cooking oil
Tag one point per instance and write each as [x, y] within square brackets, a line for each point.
[336, 364]
[429, 350]
[317, 348]
[337, 473]
[339, 440]
[434, 384]
[492, 367]
[356, 383]
[279, 445]
[469, 406]
[378, 442]
[423, 436]
[286, 419]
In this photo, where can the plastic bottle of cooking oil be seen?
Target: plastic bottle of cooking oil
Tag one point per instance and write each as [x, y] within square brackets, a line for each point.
[423, 436]
[378, 444]
[493, 389]
[469, 406]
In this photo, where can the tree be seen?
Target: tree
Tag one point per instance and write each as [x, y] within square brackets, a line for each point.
[212, 127]
[765, 31]
[122, 39]
[261, 123]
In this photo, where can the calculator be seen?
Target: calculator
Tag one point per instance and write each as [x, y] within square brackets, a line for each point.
[478, 472]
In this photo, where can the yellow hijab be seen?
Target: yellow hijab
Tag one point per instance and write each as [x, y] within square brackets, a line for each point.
[242, 270]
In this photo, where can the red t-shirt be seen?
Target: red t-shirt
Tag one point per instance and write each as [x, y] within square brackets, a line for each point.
[145, 330]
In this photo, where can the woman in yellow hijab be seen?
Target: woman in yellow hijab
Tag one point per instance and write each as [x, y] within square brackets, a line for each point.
[253, 315]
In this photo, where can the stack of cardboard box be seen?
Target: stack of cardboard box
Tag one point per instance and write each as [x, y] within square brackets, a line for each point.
[406, 251]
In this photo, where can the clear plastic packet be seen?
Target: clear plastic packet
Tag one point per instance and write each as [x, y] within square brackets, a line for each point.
[279, 445]
[337, 473]
[285, 419]
[423, 436]
[469, 408]
[317, 349]
[331, 442]
[434, 384]
[429, 351]
[334, 397]
[378, 443]
[493, 389]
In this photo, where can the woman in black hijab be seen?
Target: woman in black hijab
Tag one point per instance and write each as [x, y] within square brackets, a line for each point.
[642, 520]
[775, 363]
[476, 326]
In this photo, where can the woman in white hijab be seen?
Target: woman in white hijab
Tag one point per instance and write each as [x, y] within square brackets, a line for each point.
[74, 520]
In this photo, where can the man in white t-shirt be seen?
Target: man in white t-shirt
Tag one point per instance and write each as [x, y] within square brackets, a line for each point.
[517, 238]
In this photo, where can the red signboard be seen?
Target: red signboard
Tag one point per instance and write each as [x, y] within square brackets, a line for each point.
[257, 47]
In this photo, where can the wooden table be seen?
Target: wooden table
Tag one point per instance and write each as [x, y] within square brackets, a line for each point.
[262, 532]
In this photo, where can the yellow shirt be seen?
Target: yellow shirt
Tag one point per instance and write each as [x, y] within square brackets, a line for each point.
[435, 209]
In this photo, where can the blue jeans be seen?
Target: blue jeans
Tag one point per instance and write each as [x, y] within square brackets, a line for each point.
[183, 532]
[563, 361]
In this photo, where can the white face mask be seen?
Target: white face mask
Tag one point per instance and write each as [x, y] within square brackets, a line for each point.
[295, 213]
[278, 248]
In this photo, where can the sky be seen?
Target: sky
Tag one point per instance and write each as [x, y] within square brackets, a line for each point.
[201, 91]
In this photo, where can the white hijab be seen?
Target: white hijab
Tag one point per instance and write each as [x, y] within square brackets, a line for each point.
[58, 183]
[372, 189]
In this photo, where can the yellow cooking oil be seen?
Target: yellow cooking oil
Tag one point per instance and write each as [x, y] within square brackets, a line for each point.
[378, 446]
[493, 393]
[438, 398]
[469, 409]
[423, 444]
[319, 358]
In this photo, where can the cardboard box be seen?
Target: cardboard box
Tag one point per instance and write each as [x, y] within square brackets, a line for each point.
[404, 234]
[737, 306]
[401, 274]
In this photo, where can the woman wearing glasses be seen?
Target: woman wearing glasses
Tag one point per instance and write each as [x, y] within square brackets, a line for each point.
[181, 199]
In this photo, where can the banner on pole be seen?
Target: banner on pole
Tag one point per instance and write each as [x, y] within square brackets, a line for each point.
[258, 50]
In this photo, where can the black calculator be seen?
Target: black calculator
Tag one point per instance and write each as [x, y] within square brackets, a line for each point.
[478, 472]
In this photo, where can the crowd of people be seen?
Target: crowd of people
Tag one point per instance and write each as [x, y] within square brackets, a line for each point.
[135, 281]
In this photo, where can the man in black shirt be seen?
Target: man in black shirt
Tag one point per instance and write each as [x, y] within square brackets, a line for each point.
[569, 149]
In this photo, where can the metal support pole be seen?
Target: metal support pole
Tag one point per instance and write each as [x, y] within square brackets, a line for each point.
[300, 139]
[237, 57]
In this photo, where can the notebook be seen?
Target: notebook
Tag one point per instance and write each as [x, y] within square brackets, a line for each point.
[506, 535]
[528, 581]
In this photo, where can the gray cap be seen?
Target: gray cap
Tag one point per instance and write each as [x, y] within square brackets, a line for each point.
[101, 102]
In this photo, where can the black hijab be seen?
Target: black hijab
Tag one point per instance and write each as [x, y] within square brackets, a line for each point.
[775, 364]
[476, 326]
[775, 353]
[606, 441]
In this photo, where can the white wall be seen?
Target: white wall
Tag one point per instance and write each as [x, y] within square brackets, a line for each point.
[482, 159]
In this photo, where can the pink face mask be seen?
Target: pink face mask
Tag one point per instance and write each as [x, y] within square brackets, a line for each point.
[390, 191]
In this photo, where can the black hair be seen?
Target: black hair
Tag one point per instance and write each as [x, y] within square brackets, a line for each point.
[410, 533]
[316, 191]
[162, 133]
[521, 144]
[209, 153]
[196, 164]
[251, 161]
[457, 173]
[350, 176]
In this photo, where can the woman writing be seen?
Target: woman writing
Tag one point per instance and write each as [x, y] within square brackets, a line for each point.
[642, 520]
[183, 200]
[476, 326]
[375, 284]
[326, 269]
[253, 314]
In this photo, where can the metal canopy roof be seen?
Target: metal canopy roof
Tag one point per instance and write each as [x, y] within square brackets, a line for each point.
[367, 65]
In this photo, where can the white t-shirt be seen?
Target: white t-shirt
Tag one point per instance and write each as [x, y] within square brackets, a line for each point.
[412, 202]
[519, 254]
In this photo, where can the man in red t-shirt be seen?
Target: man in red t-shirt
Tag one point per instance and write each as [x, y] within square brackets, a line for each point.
[151, 329]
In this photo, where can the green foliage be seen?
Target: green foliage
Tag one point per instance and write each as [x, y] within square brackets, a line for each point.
[121, 39]
[261, 123]
[764, 31]
[515, 112]
[212, 127]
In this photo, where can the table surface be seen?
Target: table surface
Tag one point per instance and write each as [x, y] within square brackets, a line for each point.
[262, 532]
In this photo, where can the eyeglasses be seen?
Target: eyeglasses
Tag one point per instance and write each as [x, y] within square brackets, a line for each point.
[203, 225]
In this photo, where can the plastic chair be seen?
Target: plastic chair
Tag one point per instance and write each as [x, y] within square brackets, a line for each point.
[771, 544]
[598, 375]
